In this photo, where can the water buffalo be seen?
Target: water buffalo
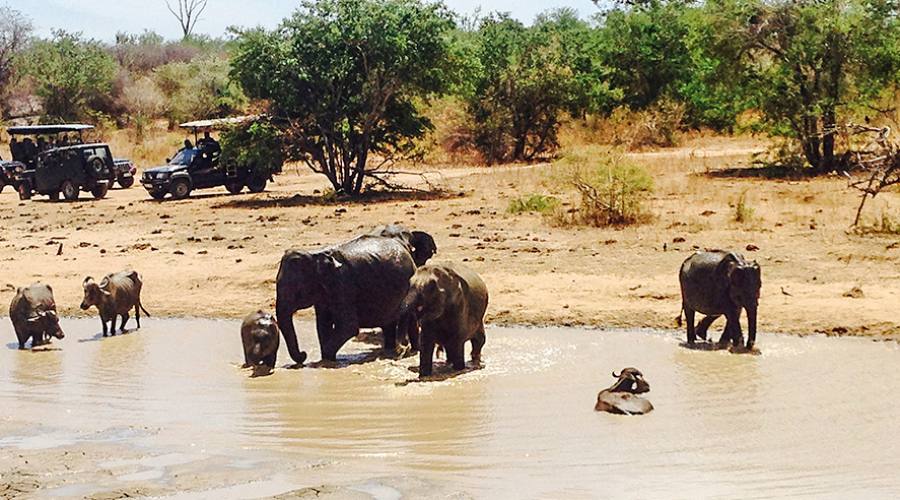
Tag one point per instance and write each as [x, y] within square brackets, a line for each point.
[448, 301]
[716, 283]
[33, 315]
[621, 397]
[114, 296]
[353, 285]
[259, 334]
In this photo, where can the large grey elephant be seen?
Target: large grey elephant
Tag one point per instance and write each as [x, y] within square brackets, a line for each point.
[357, 284]
[448, 301]
[718, 283]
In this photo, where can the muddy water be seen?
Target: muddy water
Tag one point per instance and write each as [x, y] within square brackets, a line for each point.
[809, 417]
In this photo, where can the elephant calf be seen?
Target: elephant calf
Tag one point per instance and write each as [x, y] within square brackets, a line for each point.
[720, 283]
[449, 302]
[33, 315]
[622, 397]
[114, 296]
[260, 336]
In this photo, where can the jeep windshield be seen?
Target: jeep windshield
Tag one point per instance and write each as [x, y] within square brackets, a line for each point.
[184, 157]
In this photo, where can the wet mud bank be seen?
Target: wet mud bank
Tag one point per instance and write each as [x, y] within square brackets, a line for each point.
[167, 410]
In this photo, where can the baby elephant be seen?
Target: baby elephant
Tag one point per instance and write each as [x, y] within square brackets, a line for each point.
[716, 283]
[114, 296]
[449, 302]
[33, 315]
[260, 334]
[622, 397]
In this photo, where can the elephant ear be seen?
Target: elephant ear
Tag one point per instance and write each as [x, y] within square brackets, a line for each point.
[424, 246]
[326, 265]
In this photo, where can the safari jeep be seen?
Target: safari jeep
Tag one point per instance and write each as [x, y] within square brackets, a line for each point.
[9, 172]
[53, 159]
[197, 166]
[68, 171]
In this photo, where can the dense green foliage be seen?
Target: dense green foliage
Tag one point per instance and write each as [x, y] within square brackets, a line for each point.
[257, 144]
[70, 73]
[526, 78]
[352, 82]
[346, 75]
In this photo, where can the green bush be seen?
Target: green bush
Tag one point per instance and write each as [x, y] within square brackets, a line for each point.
[612, 190]
[533, 203]
[743, 212]
[258, 144]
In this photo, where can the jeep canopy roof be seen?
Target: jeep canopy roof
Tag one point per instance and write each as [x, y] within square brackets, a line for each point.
[218, 123]
[48, 129]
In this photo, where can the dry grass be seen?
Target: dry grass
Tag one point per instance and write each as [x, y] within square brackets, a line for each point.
[158, 144]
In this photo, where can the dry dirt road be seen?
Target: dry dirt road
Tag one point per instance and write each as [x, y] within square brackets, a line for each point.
[216, 255]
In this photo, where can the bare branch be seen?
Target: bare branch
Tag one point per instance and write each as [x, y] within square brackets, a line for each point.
[188, 13]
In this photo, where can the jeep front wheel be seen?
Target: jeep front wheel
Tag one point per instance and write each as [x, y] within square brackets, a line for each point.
[99, 191]
[157, 195]
[69, 190]
[256, 184]
[234, 187]
[24, 191]
[180, 189]
[126, 182]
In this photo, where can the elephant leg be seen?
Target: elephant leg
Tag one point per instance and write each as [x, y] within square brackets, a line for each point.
[704, 325]
[412, 334]
[112, 327]
[345, 328]
[270, 360]
[124, 320]
[389, 332]
[689, 319]
[325, 331]
[477, 343]
[456, 355]
[137, 315]
[751, 327]
[732, 330]
[426, 352]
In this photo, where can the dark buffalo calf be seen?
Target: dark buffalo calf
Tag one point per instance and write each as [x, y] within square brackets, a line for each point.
[33, 315]
[260, 336]
[114, 296]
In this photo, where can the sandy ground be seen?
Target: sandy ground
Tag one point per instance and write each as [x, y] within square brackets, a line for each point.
[216, 255]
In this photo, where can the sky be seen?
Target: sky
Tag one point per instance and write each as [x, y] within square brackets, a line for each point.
[102, 19]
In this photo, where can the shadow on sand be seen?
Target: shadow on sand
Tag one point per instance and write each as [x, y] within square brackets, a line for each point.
[299, 200]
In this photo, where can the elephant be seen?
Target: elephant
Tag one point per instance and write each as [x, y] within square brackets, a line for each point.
[718, 283]
[622, 397]
[448, 301]
[353, 285]
[33, 315]
[259, 335]
[421, 244]
[114, 296]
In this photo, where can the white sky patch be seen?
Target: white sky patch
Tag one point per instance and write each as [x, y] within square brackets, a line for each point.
[102, 19]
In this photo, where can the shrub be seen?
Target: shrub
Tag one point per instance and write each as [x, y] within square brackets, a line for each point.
[258, 144]
[612, 191]
[742, 211]
[532, 203]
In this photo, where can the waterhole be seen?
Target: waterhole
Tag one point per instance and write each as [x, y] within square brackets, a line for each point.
[808, 417]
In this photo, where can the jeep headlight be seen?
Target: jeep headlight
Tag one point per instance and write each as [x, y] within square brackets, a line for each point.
[162, 175]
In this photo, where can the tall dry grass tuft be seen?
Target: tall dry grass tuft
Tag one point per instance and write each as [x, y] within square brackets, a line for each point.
[157, 144]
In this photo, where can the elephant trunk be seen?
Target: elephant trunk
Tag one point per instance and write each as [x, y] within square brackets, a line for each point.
[285, 315]
[751, 325]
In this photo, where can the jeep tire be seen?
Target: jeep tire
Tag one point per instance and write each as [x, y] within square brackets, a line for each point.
[126, 182]
[256, 184]
[234, 187]
[180, 189]
[99, 191]
[69, 190]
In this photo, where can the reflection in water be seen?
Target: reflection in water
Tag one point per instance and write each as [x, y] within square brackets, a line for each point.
[810, 416]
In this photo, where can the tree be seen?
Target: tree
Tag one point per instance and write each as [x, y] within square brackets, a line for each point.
[808, 62]
[188, 14]
[15, 30]
[70, 73]
[527, 79]
[198, 89]
[345, 76]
